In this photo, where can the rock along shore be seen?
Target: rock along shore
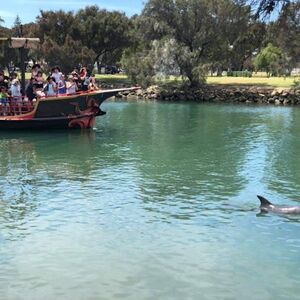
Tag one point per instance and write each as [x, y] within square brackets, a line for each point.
[222, 94]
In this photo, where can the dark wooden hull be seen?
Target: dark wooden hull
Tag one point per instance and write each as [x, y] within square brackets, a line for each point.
[49, 123]
[72, 111]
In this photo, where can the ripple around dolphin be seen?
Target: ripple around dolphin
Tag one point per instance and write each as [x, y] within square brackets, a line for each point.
[158, 202]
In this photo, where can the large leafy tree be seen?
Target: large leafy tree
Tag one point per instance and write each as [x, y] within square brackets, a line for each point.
[265, 8]
[56, 30]
[7, 55]
[285, 34]
[89, 36]
[200, 32]
[104, 32]
[271, 59]
[287, 30]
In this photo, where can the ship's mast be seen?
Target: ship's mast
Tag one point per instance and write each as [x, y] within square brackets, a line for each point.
[22, 43]
[23, 68]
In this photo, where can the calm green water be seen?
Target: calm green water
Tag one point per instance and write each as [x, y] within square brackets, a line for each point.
[159, 202]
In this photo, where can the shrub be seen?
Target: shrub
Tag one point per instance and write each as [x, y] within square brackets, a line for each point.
[239, 74]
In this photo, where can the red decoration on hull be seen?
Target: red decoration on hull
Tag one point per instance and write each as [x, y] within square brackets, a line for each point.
[83, 123]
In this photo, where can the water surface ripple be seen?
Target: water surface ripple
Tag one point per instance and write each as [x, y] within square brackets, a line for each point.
[158, 202]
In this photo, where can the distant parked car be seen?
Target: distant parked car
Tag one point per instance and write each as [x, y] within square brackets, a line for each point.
[109, 69]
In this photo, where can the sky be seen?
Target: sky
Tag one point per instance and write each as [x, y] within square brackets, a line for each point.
[28, 10]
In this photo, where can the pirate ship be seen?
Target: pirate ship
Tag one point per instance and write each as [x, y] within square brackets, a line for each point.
[78, 110]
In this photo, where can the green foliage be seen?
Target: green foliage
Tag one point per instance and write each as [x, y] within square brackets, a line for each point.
[200, 32]
[7, 55]
[67, 54]
[139, 67]
[239, 74]
[286, 32]
[296, 83]
[271, 59]
[104, 32]
[84, 38]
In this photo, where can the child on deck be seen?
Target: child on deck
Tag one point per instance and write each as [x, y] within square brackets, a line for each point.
[16, 96]
[62, 86]
[50, 88]
[4, 101]
[93, 85]
[71, 86]
[35, 69]
[56, 74]
[38, 84]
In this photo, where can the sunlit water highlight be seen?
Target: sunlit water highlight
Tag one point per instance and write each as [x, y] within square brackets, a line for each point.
[159, 202]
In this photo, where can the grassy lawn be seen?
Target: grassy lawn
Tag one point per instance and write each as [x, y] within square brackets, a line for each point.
[256, 80]
[113, 79]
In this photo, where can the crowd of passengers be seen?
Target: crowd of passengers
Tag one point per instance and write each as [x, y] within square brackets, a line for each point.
[56, 84]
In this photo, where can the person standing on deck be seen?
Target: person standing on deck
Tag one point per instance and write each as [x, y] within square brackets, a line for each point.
[35, 69]
[84, 79]
[71, 86]
[16, 96]
[50, 88]
[4, 101]
[30, 90]
[61, 86]
[56, 74]
[3, 80]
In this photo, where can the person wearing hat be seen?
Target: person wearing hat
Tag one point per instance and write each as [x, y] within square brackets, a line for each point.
[71, 85]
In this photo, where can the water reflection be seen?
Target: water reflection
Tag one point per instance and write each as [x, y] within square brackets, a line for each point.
[183, 160]
[166, 189]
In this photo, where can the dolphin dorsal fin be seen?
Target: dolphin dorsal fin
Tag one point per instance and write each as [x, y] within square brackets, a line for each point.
[264, 201]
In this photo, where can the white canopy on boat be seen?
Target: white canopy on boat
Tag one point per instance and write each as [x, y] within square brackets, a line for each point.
[29, 43]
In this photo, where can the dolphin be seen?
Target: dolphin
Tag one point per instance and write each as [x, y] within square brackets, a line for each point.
[267, 206]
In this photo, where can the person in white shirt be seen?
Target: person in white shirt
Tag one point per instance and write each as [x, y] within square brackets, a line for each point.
[15, 89]
[71, 85]
[56, 74]
[16, 96]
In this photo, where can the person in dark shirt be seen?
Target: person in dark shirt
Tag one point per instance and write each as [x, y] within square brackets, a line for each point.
[30, 90]
[4, 80]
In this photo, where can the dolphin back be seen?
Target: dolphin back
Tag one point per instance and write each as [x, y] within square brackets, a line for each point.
[264, 201]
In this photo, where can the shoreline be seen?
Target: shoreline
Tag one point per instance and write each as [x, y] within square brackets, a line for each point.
[214, 94]
[219, 94]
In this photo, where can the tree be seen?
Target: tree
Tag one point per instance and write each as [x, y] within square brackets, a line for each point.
[270, 59]
[90, 35]
[7, 54]
[247, 42]
[104, 32]
[67, 55]
[55, 28]
[201, 32]
[267, 7]
[289, 22]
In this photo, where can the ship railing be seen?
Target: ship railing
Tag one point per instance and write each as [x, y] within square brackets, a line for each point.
[14, 106]
[43, 96]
